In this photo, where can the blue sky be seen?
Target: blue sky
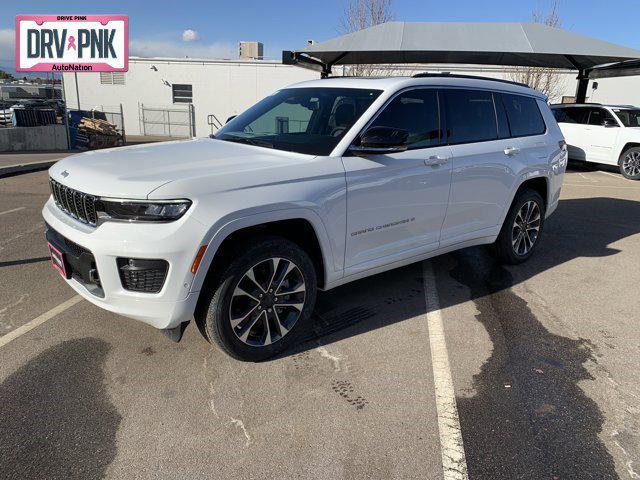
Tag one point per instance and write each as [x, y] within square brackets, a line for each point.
[156, 27]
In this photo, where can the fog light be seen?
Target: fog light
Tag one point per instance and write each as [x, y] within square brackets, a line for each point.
[142, 275]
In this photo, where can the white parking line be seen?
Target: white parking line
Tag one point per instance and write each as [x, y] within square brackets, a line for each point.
[27, 327]
[454, 463]
[590, 185]
[12, 210]
[615, 175]
[588, 179]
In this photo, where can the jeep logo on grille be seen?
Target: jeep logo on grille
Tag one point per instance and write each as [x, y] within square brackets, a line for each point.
[64, 174]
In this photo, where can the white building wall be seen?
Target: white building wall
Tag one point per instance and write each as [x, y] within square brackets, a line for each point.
[223, 88]
[226, 87]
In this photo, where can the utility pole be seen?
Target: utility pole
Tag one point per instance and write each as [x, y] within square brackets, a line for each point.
[66, 112]
[75, 74]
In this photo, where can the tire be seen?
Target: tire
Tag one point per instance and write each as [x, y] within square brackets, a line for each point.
[629, 163]
[507, 247]
[246, 321]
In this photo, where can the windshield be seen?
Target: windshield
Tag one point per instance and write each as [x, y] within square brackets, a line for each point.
[630, 117]
[302, 120]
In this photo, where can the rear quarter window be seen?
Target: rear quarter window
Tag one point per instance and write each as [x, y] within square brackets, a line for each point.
[524, 115]
[571, 115]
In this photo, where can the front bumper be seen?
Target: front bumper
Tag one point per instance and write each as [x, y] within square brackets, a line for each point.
[176, 242]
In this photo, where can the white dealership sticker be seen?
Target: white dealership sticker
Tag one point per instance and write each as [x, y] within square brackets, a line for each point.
[72, 43]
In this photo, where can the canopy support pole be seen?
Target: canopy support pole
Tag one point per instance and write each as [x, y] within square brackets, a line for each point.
[326, 71]
[583, 85]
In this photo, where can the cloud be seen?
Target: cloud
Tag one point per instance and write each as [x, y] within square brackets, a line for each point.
[160, 48]
[190, 35]
[7, 45]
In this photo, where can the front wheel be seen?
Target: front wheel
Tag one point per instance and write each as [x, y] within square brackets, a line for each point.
[630, 163]
[261, 301]
[522, 228]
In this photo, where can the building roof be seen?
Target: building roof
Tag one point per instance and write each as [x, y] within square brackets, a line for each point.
[524, 44]
[205, 60]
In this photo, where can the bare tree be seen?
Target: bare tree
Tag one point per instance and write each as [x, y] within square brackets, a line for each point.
[360, 14]
[543, 79]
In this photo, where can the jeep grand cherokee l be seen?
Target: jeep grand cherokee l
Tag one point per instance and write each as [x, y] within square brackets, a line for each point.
[317, 185]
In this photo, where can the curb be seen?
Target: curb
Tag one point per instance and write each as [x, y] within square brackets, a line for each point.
[20, 168]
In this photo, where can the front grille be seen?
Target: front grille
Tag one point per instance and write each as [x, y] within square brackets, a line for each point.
[141, 275]
[79, 205]
[74, 248]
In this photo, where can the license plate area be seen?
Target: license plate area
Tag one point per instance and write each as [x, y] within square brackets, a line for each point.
[58, 261]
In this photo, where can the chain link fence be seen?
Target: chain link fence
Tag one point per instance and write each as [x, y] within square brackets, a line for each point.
[174, 122]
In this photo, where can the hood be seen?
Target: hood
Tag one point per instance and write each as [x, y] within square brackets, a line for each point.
[136, 171]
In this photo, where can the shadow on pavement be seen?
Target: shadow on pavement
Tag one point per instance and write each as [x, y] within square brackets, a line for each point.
[579, 228]
[528, 419]
[57, 421]
[24, 261]
[545, 426]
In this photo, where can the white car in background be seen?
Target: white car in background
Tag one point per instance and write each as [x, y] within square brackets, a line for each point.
[607, 134]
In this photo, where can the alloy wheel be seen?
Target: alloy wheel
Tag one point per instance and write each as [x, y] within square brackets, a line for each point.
[526, 228]
[631, 164]
[267, 302]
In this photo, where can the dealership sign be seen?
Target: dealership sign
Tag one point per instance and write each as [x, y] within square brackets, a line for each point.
[72, 43]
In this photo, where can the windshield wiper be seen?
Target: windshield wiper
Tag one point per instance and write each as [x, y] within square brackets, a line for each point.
[249, 141]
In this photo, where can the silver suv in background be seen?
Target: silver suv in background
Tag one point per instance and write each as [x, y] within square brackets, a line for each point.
[320, 184]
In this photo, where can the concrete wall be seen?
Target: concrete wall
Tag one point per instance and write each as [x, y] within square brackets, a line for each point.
[223, 88]
[49, 137]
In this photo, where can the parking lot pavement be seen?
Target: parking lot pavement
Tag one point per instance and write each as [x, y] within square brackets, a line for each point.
[543, 358]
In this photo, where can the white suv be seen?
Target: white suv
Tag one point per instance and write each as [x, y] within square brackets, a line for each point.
[317, 185]
[607, 134]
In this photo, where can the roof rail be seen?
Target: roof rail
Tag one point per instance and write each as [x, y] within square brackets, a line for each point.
[575, 104]
[472, 77]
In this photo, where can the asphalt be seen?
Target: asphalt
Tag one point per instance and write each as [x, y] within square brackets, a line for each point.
[543, 359]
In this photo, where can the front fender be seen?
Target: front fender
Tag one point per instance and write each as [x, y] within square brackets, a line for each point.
[228, 225]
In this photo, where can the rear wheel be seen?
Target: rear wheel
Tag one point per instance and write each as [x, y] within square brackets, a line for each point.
[522, 228]
[630, 163]
[261, 301]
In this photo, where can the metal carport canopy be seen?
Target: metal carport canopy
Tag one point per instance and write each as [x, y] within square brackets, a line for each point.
[519, 44]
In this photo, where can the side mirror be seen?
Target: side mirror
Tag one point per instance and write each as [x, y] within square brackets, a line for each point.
[382, 140]
[231, 118]
[608, 123]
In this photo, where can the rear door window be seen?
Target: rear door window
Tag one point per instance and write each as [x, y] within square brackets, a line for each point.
[524, 115]
[470, 116]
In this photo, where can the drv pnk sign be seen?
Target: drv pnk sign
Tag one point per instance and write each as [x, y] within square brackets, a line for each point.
[72, 43]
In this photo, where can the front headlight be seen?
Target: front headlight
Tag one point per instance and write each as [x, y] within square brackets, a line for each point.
[141, 210]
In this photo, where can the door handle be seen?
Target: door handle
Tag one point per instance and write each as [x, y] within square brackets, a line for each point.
[511, 151]
[435, 160]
